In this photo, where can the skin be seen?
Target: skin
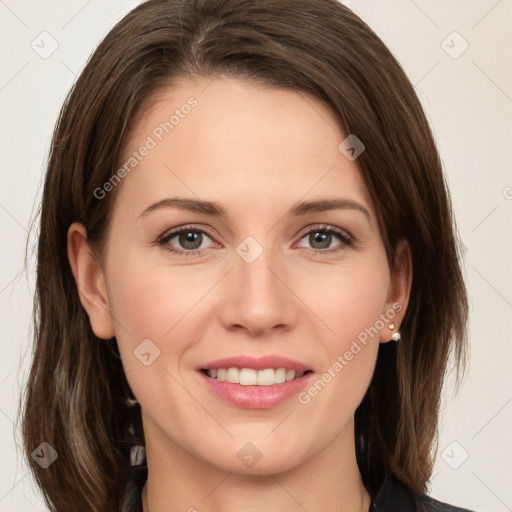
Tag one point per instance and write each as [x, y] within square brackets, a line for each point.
[257, 151]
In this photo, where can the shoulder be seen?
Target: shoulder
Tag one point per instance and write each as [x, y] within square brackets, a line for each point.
[428, 504]
[393, 496]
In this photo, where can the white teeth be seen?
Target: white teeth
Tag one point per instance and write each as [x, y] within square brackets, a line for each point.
[250, 377]
[233, 375]
[280, 375]
[266, 377]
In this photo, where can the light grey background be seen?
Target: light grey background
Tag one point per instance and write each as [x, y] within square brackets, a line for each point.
[468, 98]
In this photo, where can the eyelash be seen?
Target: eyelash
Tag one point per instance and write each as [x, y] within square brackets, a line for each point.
[345, 239]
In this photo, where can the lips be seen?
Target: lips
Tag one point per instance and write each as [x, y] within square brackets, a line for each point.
[255, 396]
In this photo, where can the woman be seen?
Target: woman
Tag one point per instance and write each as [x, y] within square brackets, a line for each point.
[248, 284]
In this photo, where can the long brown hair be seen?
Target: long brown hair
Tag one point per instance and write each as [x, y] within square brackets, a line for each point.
[77, 397]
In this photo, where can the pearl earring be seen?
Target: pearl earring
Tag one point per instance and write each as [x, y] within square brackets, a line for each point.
[396, 336]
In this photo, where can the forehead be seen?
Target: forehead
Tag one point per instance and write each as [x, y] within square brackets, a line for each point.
[249, 144]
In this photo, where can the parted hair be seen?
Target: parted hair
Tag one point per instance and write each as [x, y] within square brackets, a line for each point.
[77, 397]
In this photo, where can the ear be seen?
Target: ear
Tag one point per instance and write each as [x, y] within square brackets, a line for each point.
[399, 291]
[90, 281]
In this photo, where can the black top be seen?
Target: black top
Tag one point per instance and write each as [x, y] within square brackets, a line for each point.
[391, 497]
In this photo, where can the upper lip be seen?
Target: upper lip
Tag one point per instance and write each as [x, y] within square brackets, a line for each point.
[256, 363]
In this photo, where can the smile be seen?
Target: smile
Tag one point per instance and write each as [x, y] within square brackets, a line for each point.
[251, 377]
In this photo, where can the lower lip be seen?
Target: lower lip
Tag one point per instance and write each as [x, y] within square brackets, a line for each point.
[256, 397]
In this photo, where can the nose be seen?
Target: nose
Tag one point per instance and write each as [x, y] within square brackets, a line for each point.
[258, 299]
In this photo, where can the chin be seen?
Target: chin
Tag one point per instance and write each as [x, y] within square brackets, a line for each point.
[247, 459]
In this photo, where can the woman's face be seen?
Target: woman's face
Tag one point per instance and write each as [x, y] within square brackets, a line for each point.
[258, 275]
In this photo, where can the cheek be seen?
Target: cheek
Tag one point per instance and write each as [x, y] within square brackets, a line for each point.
[350, 357]
[156, 311]
[350, 306]
[157, 302]
[351, 300]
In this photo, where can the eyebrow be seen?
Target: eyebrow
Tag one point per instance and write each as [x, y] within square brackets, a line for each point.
[216, 210]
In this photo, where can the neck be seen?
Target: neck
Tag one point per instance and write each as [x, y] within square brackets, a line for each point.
[179, 481]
